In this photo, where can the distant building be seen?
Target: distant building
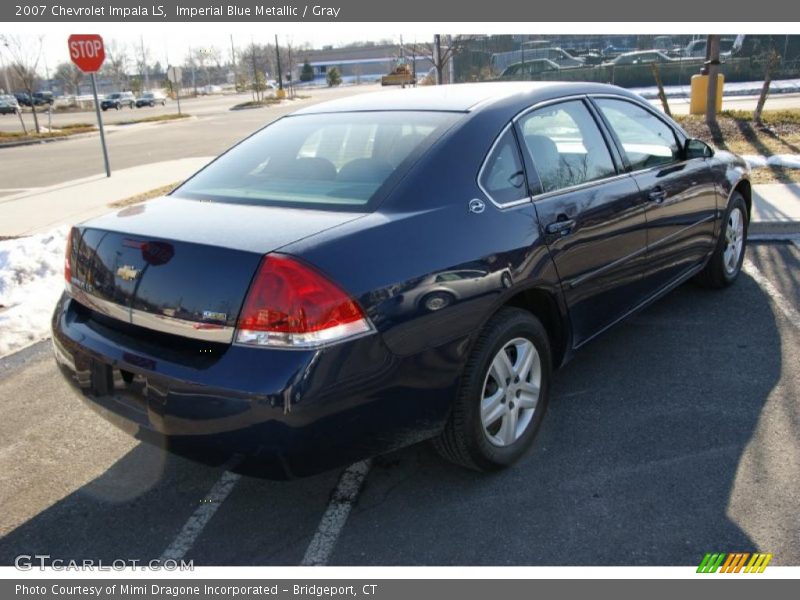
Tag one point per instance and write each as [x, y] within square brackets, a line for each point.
[367, 63]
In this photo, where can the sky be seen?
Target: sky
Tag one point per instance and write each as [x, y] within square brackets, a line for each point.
[169, 42]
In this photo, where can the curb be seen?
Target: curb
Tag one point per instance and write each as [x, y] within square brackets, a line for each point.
[110, 128]
[774, 227]
[62, 138]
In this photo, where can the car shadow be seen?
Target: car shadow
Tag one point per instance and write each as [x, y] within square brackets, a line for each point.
[634, 464]
[137, 507]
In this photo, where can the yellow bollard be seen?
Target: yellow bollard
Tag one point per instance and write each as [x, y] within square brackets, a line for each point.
[699, 93]
[280, 94]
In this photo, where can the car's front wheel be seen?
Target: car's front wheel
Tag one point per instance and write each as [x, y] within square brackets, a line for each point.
[502, 396]
[725, 264]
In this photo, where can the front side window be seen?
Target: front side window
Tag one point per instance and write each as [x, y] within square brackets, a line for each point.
[565, 146]
[646, 139]
[503, 176]
[334, 161]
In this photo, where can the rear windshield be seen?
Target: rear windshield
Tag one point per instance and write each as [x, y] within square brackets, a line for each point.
[335, 161]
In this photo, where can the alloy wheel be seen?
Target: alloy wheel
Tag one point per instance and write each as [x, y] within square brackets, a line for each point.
[734, 241]
[511, 392]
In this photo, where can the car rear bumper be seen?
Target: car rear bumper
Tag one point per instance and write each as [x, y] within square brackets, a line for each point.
[277, 412]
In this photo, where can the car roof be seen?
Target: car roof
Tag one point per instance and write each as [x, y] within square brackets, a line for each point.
[462, 97]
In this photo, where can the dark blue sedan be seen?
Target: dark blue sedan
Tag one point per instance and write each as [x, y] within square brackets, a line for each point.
[393, 267]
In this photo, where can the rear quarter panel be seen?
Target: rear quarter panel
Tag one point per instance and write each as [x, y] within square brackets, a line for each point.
[423, 228]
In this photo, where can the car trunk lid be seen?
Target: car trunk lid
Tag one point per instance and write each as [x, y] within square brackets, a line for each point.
[182, 266]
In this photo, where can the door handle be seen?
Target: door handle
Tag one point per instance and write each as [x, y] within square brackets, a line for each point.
[657, 195]
[562, 226]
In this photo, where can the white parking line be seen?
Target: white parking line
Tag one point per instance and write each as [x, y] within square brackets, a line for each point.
[786, 307]
[333, 520]
[200, 518]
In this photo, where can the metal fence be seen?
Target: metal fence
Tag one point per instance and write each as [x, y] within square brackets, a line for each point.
[486, 59]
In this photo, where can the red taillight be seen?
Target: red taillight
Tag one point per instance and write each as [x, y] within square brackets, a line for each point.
[68, 258]
[292, 305]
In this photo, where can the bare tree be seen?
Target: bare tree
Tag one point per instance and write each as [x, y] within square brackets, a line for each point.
[773, 60]
[439, 53]
[70, 76]
[254, 61]
[204, 58]
[142, 60]
[25, 56]
[116, 64]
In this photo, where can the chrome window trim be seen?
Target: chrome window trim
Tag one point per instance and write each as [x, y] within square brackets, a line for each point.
[579, 186]
[196, 330]
[544, 103]
[645, 105]
[486, 158]
[674, 127]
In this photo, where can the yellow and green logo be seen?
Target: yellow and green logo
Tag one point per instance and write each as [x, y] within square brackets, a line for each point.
[734, 562]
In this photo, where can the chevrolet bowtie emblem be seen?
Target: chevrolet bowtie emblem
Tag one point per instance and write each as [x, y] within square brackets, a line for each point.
[127, 273]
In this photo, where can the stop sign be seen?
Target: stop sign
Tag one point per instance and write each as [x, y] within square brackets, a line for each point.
[87, 51]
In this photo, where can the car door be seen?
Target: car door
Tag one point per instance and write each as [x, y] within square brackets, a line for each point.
[591, 216]
[680, 194]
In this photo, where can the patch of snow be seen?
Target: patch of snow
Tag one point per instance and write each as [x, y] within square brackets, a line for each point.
[739, 88]
[755, 161]
[31, 280]
[787, 161]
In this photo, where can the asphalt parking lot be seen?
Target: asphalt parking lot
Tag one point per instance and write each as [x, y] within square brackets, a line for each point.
[675, 434]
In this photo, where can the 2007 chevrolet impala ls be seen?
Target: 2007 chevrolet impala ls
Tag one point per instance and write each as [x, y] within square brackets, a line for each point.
[378, 270]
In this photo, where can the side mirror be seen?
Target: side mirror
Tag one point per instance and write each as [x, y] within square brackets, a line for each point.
[694, 148]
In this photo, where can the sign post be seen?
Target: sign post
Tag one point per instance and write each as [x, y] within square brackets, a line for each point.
[175, 75]
[88, 53]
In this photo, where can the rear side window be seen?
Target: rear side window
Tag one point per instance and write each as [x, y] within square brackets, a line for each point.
[646, 139]
[503, 176]
[565, 146]
[336, 161]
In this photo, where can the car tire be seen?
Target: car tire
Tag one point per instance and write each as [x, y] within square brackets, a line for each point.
[436, 301]
[725, 263]
[481, 432]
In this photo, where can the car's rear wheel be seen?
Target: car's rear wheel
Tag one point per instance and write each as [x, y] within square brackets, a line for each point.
[436, 301]
[725, 264]
[502, 396]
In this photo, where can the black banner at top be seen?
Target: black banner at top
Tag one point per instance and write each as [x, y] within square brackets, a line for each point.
[453, 11]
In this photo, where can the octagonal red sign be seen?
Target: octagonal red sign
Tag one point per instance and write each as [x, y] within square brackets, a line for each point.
[86, 50]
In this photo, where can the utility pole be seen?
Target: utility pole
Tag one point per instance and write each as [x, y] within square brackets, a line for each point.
[144, 65]
[233, 62]
[451, 63]
[712, 47]
[255, 72]
[191, 62]
[437, 57]
[278, 58]
[5, 73]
